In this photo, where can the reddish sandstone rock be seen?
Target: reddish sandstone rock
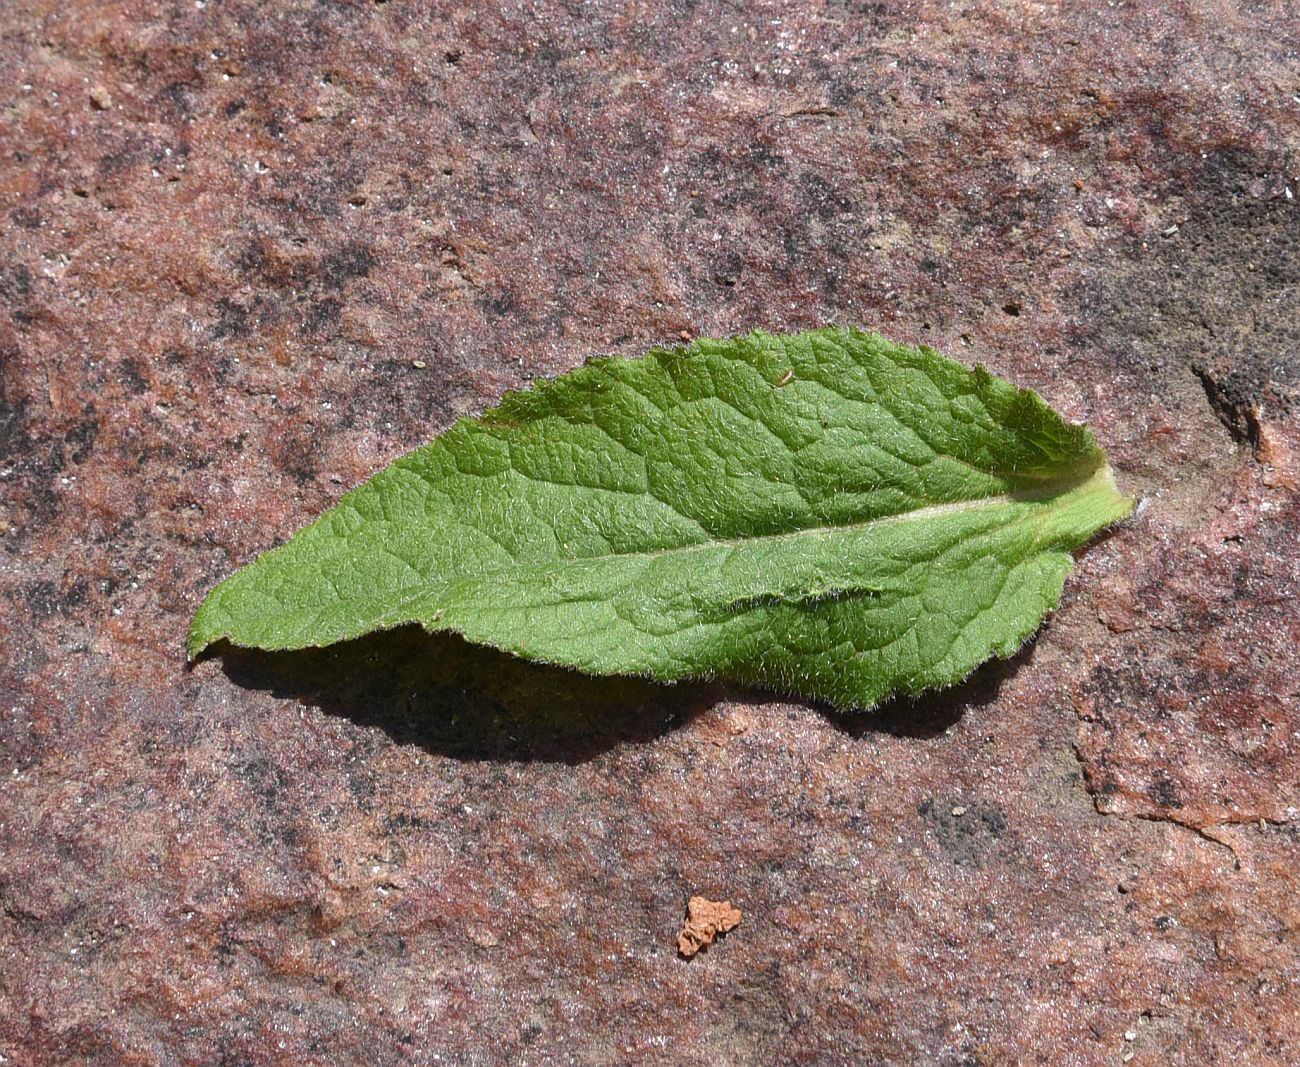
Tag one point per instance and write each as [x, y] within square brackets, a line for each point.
[252, 252]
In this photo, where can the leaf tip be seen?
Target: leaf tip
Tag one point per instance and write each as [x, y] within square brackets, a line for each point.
[195, 645]
[203, 632]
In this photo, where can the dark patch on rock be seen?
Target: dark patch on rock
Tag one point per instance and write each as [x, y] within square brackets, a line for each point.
[728, 268]
[80, 439]
[351, 261]
[15, 282]
[1164, 790]
[504, 303]
[134, 376]
[1217, 295]
[965, 832]
[232, 320]
[824, 200]
[35, 462]
[294, 451]
[1234, 398]
[322, 315]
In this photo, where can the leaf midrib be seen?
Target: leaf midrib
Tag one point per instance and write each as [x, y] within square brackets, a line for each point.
[930, 511]
[1060, 487]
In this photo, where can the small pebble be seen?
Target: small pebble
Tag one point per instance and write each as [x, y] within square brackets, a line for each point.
[959, 811]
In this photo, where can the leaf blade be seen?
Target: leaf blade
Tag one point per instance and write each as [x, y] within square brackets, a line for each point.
[756, 508]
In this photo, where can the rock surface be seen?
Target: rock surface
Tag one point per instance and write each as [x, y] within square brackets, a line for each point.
[252, 252]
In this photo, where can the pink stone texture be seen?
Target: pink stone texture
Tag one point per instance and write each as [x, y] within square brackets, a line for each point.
[250, 253]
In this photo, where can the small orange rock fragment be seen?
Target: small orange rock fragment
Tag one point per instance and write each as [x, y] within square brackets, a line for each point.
[705, 921]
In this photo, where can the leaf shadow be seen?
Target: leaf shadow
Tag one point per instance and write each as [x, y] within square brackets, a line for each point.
[468, 702]
[935, 712]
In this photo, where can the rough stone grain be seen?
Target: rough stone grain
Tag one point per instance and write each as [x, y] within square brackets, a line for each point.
[252, 252]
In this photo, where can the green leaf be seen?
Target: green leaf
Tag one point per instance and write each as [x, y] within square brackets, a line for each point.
[826, 513]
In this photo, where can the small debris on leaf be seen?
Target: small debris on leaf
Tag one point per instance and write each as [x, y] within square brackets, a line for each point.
[705, 921]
